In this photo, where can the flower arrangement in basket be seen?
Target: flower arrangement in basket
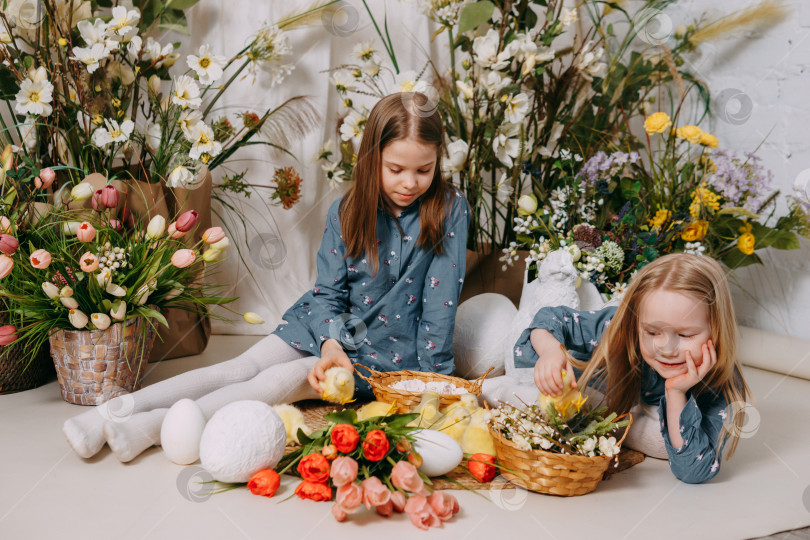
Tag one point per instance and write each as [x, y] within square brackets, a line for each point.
[398, 386]
[557, 445]
[96, 290]
[359, 463]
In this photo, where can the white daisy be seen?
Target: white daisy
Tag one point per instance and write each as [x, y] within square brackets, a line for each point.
[180, 177]
[188, 122]
[122, 20]
[113, 132]
[505, 144]
[516, 108]
[92, 33]
[408, 81]
[364, 52]
[207, 66]
[35, 95]
[186, 93]
[343, 81]
[204, 143]
[334, 175]
[154, 51]
[91, 56]
[352, 128]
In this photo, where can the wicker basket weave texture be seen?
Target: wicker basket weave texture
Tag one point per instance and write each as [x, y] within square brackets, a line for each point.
[94, 366]
[19, 371]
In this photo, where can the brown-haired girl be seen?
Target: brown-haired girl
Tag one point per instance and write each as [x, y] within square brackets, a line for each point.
[390, 270]
[671, 343]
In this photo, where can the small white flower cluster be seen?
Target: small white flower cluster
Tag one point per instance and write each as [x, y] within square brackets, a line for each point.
[590, 264]
[526, 225]
[444, 12]
[538, 251]
[695, 248]
[510, 255]
[606, 446]
[113, 258]
[524, 431]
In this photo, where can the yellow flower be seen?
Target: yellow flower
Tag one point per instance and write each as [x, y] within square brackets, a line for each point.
[691, 134]
[745, 228]
[695, 231]
[657, 123]
[661, 216]
[707, 139]
[707, 164]
[704, 198]
[746, 243]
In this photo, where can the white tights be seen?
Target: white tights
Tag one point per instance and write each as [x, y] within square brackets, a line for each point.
[270, 371]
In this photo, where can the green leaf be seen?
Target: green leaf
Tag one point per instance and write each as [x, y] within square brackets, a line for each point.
[303, 438]
[180, 4]
[474, 15]
[178, 27]
[8, 84]
[650, 253]
[737, 211]
[346, 416]
[153, 314]
[737, 259]
[401, 420]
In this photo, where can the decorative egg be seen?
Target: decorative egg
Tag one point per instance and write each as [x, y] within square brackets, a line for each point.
[440, 453]
[181, 432]
[241, 439]
[481, 333]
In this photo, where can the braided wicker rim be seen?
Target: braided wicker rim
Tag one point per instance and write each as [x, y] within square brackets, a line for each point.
[550, 472]
[406, 400]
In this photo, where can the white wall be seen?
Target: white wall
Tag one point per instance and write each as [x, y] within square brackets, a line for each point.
[767, 69]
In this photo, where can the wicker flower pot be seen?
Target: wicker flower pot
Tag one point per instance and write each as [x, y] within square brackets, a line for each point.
[19, 371]
[94, 366]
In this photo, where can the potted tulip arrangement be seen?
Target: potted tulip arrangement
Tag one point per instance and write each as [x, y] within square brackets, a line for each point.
[96, 290]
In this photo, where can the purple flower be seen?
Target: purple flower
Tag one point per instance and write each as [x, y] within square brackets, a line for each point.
[740, 179]
[603, 165]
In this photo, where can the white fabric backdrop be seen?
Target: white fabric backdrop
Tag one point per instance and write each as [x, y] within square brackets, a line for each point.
[280, 250]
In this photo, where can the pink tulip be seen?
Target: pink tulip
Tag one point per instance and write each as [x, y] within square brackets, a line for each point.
[349, 497]
[374, 492]
[8, 244]
[421, 513]
[405, 477]
[187, 221]
[45, 178]
[40, 259]
[183, 258]
[88, 262]
[8, 334]
[339, 513]
[115, 224]
[399, 500]
[386, 509]
[106, 197]
[86, 232]
[213, 235]
[444, 504]
[343, 471]
[5, 224]
[173, 232]
[6, 264]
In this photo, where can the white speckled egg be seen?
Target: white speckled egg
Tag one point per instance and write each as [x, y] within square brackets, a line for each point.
[181, 432]
[241, 439]
[440, 453]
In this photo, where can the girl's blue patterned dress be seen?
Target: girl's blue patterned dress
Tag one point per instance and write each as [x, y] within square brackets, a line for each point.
[402, 318]
[701, 420]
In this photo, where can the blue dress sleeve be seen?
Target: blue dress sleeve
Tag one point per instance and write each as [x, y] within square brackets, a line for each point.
[330, 293]
[579, 331]
[698, 460]
[441, 291]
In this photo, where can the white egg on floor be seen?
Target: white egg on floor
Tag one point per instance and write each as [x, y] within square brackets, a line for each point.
[181, 432]
[440, 453]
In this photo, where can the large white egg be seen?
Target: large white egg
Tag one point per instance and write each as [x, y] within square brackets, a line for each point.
[241, 439]
[480, 336]
[440, 453]
[181, 432]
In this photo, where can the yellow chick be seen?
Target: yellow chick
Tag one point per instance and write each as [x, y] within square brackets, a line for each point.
[454, 423]
[476, 438]
[293, 419]
[376, 408]
[568, 404]
[467, 401]
[338, 387]
[428, 410]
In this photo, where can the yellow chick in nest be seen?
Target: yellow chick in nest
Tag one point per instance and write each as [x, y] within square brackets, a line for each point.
[566, 405]
[293, 419]
[376, 408]
[454, 423]
[467, 401]
[338, 386]
[476, 438]
[428, 410]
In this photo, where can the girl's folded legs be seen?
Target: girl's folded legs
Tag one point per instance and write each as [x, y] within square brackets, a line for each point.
[85, 432]
[281, 383]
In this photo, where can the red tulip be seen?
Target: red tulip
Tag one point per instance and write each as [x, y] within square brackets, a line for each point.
[8, 244]
[187, 221]
[8, 334]
[106, 197]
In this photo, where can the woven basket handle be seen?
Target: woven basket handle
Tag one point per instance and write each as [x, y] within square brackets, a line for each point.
[371, 372]
[480, 380]
[627, 429]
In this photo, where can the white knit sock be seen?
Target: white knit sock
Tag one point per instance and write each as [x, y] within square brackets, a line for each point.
[280, 383]
[85, 432]
[645, 433]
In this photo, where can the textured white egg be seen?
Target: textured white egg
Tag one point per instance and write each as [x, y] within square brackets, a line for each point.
[181, 432]
[440, 453]
[483, 324]
[241, 439]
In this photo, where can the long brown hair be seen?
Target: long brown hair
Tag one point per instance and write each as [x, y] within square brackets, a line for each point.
[394, 117]
[617, 359]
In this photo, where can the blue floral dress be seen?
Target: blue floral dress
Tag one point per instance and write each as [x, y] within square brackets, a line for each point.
[701, 420]
[402, 318]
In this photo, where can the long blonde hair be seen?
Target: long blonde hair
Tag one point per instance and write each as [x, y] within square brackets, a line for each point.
[617, 359]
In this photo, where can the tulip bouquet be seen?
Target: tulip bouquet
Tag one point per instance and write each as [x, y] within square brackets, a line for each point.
[82, 269]
[359, 463]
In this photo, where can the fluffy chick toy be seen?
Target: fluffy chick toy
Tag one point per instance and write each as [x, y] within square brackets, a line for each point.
[454, 423]
[466, 401]
[428, 410]
[566, 405]
[293, 419]
[476, 438]
[376, 408]
[338, 386]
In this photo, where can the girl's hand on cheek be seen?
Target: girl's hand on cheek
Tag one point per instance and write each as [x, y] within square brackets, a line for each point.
[694, 373]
